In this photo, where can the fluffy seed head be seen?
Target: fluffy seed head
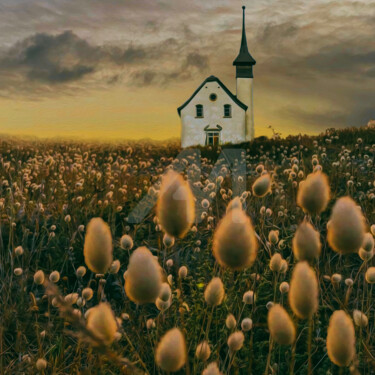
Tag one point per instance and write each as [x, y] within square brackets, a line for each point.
[269, 305]
[273, 237]
[235, 341]
[284, 266]
[78, 314]
[234, 203]
[150, 324]
[275, 262]
[175, 207]
[281, 326]
[212, 369]
[336, 278]
[102, 323]
[306, 242]
[54, 276]
[313, 193]
[346, 229]
[163, 305]
[71, 298]
[214, 293]
[165, 292]
[284, 287]
[340, 339]
[87, 294]
[281, 245]
[182, 272]
[368, 242]
[365, 255]
[203, 351]
[171, 351]
[234, 244]
[18, 250]
[360, 319]
[230, 321]
[370, 275]
[303, 293]
[41, 364]
[81, 302]
[205, 203]
[260, 168]
[143, 277]
[262, 185]
[248, 297]
[246, 324]
[126, 242]
[115, 267]
[18, 271]
[39, 277]
[98, 246]
[81, 271]
[168, 241]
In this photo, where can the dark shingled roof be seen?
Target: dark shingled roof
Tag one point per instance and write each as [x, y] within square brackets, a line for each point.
[244, 57]
[213, 79]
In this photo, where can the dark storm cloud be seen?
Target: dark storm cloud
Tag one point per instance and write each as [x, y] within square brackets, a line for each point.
[143, 53]
[53, 59]
[64, 58]
[329, 118]
[324, 70]
[335, 46]
[194, 62]
[341, 59]
[131, 55]
[273, 35]
[352, 116]
[197, 60]
[347, 58]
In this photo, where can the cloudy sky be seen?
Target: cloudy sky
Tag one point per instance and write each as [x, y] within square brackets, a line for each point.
[113, 69]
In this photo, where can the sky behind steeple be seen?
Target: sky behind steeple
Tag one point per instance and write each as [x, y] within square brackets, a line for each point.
[119, 69]
[244, 57]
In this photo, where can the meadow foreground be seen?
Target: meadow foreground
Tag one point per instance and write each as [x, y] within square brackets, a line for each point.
[111, 262]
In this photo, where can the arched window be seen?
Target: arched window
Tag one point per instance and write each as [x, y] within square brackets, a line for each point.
[199, 110]
[227, 110]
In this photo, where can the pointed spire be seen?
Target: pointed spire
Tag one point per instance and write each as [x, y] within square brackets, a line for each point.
[243, 39]
[244, 57]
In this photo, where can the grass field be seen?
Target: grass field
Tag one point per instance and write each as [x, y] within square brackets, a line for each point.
[50, 191]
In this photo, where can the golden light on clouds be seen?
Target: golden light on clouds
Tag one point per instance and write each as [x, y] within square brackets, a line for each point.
[121, 113]
[123, 69]
[109, 115]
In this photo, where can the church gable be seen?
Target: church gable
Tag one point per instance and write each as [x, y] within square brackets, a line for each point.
[213, 115]
[221, 85]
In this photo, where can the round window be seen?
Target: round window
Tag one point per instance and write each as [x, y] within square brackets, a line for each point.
[213, 97]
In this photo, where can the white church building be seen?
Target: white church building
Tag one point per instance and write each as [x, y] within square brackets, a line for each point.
[213, 115]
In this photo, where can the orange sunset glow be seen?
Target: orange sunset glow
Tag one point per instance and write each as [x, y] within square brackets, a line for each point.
[120, 70]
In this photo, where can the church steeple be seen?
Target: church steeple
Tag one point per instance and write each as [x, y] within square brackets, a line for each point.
[244, 61]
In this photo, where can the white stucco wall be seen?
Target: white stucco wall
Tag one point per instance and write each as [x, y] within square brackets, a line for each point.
[192, 128]
[245, 94]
